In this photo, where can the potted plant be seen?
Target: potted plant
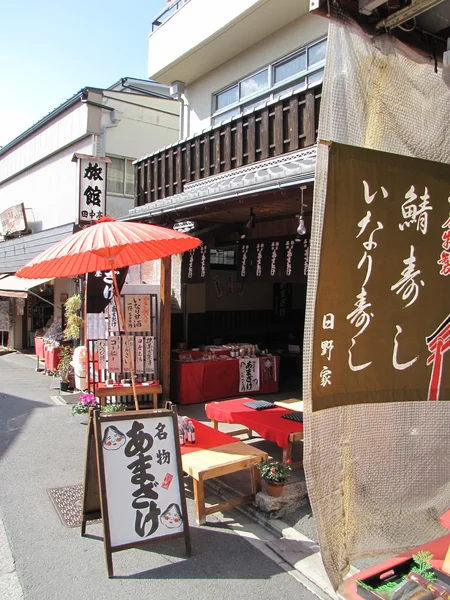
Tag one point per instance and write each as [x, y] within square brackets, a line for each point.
[274, 475]
[112, 408]
[86, 401]
[65, 367]
[74, 322]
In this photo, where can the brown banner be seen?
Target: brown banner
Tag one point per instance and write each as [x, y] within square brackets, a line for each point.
[382, 315]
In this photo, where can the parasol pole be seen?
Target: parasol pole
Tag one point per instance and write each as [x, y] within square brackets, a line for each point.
[123, 326]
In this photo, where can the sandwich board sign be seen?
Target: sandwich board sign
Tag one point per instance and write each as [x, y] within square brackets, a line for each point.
[140, 480]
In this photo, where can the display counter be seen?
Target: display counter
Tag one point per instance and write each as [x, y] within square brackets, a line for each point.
[200, 381]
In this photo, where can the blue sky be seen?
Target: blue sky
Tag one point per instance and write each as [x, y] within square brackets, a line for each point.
[51, 49]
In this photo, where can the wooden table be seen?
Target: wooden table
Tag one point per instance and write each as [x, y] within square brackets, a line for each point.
[215, 461]
[102, 391]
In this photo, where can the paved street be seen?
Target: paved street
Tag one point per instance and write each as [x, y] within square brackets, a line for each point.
[42, 447]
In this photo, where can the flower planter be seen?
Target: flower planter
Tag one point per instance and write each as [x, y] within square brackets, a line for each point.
[63, 386]
[272, 488]
[82, 418]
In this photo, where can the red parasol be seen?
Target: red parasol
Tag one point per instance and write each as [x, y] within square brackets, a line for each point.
[96, 247]
[108, 245]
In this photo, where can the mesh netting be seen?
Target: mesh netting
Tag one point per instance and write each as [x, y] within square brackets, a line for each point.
[378, 475]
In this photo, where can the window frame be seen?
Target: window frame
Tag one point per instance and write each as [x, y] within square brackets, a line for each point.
[294, 83]
[126, 160]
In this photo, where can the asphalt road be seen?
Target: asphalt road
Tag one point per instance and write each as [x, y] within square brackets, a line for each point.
[41, 447]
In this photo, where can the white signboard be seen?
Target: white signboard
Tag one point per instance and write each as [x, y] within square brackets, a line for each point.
[102, 354]
[127, 353]
[114, 354]
[248, 375]
[13, 220]
[92, 189]
[141, 479]
[150, 352]
[139, 354]
[137, 312]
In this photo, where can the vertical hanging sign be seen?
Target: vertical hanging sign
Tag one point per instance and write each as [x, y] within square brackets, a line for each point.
[92, 186]
[114, 354]
[149, 354]
[139, 341]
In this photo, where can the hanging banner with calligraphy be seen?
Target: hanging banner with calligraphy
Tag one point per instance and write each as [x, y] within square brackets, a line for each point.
[248, 375]
[100, 288]
[150, 353]
[382, 316]
[137, 312]
[139, 353]
[92, 187]
[114, 354]
[195, 265]
[269, 368]
[277, 260]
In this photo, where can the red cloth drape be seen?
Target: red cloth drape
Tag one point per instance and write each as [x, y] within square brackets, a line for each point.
[207, 437]
[269, 423]
[194, 382]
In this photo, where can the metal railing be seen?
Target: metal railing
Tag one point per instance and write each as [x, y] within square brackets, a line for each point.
[167, 12]
[284, 126]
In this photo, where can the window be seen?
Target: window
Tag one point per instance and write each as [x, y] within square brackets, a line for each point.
[301, 69]
[121, 176]
[224, 258]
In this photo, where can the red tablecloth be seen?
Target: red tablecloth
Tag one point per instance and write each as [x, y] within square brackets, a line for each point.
[52, 357]
[267, 423]
[206, 437]
[194, 382]
[39, 347]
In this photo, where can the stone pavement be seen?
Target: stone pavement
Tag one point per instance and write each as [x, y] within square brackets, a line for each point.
[290, 542]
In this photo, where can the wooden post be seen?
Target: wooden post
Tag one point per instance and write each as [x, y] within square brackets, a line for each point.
[165, 316]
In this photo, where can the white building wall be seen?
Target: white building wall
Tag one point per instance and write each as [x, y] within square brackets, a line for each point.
[282, 42]
[65, 130]
[48, 190]
[144, 124]
[190, 26]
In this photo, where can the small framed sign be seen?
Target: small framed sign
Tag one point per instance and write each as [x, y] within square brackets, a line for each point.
[140, 478]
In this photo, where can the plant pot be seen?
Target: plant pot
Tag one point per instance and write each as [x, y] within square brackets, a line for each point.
[272, 488]
[64, 386]
[82, 418]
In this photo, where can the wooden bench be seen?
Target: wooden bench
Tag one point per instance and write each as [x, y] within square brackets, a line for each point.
[204, 464]
[102, 391]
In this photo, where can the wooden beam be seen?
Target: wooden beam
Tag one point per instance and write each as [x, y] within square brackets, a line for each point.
[216, 151]
[165, 316]
[171, 172]
[197, 159]
[227, 147]
[278, 126]
[293, 124]
[206, 155]
[239, 144]
[264, 133]
[251, 139]
[309, 123]
[179, 170]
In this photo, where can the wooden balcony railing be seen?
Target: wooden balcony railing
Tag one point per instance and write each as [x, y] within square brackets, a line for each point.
[284, 126]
